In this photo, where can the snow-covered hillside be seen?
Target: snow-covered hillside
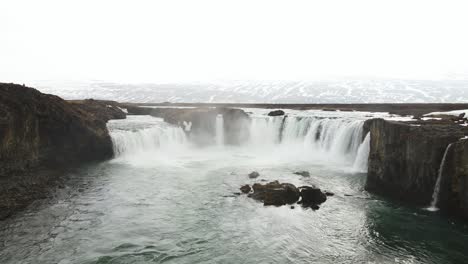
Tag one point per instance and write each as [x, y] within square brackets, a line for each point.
[355, 91]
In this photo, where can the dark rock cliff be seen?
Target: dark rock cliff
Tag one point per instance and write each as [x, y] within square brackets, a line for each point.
[454, 182]
[404, 158]
[42, 132]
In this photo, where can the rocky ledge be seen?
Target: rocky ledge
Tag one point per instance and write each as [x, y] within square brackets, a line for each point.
[405, 159]
[41, 133]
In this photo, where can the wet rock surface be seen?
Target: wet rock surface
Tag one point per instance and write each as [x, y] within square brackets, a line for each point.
[277, 194]
[312, 195]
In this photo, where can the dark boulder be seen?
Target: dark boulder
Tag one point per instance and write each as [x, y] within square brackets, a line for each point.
[253, 175]
[276, 113]
[275, 193]
[404, 157]
[312, 195]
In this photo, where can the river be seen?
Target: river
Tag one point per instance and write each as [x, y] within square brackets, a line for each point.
[163, 199]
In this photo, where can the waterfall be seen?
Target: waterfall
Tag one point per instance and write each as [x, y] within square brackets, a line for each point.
[219, 130]
[330, 138]
[128, 142]
[336, 136]
[435, 194]
[362, 157]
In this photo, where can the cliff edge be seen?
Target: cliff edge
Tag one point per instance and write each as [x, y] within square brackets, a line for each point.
[42, 132]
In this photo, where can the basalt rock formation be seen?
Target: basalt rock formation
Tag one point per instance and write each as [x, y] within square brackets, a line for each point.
[404, 157]
[42, 132]
[453, 196]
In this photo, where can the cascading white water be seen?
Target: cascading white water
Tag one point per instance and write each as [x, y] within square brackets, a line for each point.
[128, 142]
[337, 136]
[307, 137]
[435, 194]
[219, 130]
[362, 157]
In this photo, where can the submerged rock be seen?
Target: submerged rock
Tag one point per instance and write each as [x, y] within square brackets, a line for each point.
[276, 113]
[253, 175]
[246, 188]
[302, 173]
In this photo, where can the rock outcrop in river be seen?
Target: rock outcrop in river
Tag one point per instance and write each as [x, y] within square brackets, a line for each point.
[405, 157]
[42, 132]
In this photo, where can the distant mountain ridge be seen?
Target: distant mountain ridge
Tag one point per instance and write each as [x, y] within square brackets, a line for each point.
[353, 91]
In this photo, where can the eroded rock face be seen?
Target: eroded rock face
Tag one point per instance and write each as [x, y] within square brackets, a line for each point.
[44, 132]
[454, 182]
[404, 158]
[39, 129]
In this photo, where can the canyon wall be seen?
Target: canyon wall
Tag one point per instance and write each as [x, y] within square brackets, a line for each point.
[454, 181]
[405, 157]
[41, 132]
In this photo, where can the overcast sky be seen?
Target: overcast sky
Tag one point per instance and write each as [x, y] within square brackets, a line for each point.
[199, 40]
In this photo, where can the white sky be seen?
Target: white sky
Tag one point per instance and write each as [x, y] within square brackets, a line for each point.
[197, 40]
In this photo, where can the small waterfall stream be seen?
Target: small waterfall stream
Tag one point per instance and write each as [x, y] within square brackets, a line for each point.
[435, 194]
[219, 130]
[362, 157]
